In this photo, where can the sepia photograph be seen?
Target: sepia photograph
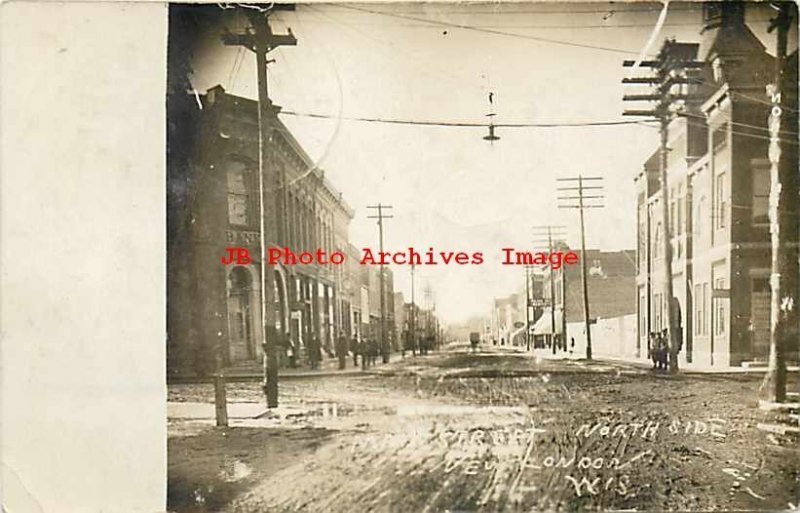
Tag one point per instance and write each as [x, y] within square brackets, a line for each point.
[482, 257]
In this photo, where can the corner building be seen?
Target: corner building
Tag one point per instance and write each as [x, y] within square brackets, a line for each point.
[719, 182]
[215, 310]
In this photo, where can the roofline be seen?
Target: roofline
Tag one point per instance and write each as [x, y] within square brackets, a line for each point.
[287, 135]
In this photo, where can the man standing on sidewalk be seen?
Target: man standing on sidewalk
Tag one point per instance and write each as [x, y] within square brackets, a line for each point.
[362, 350]
[354, 349]
[341, 350]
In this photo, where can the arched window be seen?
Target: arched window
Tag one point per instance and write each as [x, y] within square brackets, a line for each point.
[240, 314]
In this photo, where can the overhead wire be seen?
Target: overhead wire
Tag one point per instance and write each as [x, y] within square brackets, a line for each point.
[316, 165]
[612, 10]
[361, 33]
[470, 124]
[491, 31]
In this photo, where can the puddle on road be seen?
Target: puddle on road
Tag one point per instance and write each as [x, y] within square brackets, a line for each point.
[235, 470]
[417, 410]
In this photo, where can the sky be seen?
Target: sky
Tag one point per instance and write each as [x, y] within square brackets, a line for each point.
[450, 189]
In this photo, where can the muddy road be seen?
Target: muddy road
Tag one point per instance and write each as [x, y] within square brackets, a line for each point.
[484, 432]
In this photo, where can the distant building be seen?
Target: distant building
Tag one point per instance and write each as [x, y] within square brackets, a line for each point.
[611, 284]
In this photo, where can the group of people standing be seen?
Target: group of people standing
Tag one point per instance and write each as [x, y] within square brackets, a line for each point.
[368, 348]
[658, 349]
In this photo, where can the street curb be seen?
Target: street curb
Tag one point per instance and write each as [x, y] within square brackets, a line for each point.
[247, 378]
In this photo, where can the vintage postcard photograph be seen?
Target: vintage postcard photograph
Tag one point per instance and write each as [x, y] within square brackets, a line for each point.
[489, 257]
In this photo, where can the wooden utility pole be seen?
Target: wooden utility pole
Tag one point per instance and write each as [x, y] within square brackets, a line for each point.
[670, 67]
[380, 217]
[527, 308]
[780, 211]
[261, 41]
[584, 202]
[220, 398]
[545, 235]
[412, 322]
[564, 334]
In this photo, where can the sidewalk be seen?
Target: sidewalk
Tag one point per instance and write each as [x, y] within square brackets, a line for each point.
[254, 372]
[691, 368]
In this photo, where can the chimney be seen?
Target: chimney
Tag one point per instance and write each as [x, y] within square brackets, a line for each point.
[723, 14]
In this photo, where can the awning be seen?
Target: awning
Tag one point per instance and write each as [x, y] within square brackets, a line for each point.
[544, 324]
[516, 332]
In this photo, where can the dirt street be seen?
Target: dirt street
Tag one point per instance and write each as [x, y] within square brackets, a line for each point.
[493, 431]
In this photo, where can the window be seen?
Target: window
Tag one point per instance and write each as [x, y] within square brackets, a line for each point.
[761, 186]
[642, 312]
[716, 68]
[699, 221]
[701, 309]
[657, 312]
[237, 194]
[719, 309]
[657, 242]
[720, 201]
[642, 240]
[719, 138]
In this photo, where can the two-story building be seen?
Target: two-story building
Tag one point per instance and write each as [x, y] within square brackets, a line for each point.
[215, 309]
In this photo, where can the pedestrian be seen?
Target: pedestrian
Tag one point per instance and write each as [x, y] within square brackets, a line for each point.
[341, 350]
[315, 352]
[291, 352]
[664, 349]
[354, 349]
[572, 345]
[661, 351]
[362, 350]
[372, 351]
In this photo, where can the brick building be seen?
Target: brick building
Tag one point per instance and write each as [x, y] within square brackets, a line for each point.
[611, 284]
[214, 204]
[718, 175]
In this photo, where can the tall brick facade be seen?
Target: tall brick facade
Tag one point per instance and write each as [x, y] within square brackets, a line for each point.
[718, 175]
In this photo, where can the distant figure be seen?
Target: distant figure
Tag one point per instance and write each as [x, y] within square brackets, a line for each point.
[354, 349]
[315, 352]
[676, 307]
[663, 354]
[373, 351]
[341, 350]
[363, 350]
[291, 352]
[474, 340]
[572, 345]
[660, 351]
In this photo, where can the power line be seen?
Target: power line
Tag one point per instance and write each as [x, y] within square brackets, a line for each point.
[548, 27]
[351, 27]
[610, 10]
[759, 100]
[491, 31]
[739, 123]
[745, 134]
[470, 124]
